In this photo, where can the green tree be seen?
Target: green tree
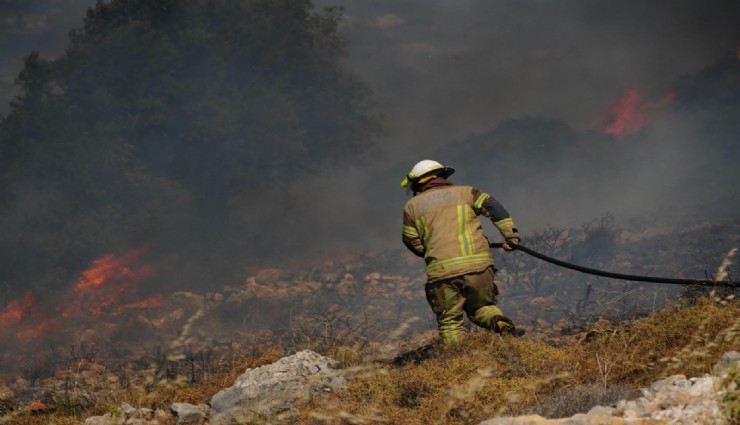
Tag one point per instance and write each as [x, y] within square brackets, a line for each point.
[158, 115]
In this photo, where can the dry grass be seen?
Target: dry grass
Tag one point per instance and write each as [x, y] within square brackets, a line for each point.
[159, 396]
[488, 375]
[44, 420]
[686, 340]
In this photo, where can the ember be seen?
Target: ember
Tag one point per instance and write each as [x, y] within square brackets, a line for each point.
[629, 113]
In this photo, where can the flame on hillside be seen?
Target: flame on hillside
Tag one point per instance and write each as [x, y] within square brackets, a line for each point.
[106, 281]
[15, 311]
[629, 113]
[151, 302]
[109, 284]
[25, 318]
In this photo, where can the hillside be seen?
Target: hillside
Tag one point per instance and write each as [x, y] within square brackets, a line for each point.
[590, 340]
[487, 375]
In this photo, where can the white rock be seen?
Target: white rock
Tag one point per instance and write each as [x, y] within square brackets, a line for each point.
[702, 387]
[601, 411]
[275, 391]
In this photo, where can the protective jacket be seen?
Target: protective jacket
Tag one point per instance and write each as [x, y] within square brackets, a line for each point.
[441, 224]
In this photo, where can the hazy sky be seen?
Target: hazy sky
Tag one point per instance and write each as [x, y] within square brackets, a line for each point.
[442, 69]
[27, 25]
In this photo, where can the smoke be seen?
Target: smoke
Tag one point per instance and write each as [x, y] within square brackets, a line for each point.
[463, 67]
[448, 73]
[507, 92]
[26, 25]
[563, 111]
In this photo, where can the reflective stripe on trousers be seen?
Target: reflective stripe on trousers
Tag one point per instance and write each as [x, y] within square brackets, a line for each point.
[473, 294]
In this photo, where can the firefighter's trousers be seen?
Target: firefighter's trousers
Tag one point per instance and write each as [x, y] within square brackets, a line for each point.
[473, 293]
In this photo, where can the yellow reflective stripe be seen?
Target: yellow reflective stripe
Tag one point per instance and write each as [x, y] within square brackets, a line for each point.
[450, 301]
[421, 223]
[461, 219]
[476, 258]
[468, 233]
[464, 236]
[410, 231]
[481, 199]
[507, 222]
[428, 250]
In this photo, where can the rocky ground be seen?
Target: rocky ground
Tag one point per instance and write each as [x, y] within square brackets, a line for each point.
[275, 393]
[361, 301]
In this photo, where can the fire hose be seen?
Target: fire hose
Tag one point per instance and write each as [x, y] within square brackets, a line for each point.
[705, 282]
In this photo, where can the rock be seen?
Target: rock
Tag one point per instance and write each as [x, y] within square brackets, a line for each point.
[667, 382]
[372, 276]
[647, 394]
[671, 401]
[275, 391]
[701, 387]
[129, 415]
[107, 419]
[141, 413]
[521, 420]
[127, 408]
[725, 363]
[601, 411]
[189, 414]
[672, 396]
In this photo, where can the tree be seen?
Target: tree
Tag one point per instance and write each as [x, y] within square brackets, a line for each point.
[159, 114]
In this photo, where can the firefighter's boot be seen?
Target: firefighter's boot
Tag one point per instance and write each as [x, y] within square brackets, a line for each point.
[504, 325]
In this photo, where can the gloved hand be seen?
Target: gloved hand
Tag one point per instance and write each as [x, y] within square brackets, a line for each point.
[510, 244]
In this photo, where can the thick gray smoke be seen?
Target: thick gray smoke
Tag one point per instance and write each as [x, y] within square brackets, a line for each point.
[563, 110]
[446, 72]
[509, 93]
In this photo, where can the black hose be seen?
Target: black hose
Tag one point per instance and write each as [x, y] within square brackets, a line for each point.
[582, 269]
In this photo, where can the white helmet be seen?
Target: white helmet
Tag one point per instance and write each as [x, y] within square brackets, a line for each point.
[424, 168]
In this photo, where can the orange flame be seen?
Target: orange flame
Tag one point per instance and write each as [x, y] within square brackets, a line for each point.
[16, 310]
[152, 302]
[629, 113]
[25, 316]
[107, 279]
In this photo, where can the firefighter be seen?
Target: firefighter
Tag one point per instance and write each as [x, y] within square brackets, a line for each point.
[440, 224]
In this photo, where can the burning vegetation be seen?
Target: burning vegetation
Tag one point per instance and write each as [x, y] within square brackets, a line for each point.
[108, 280]
[630, 113]
[355, 309]
[153, 213]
